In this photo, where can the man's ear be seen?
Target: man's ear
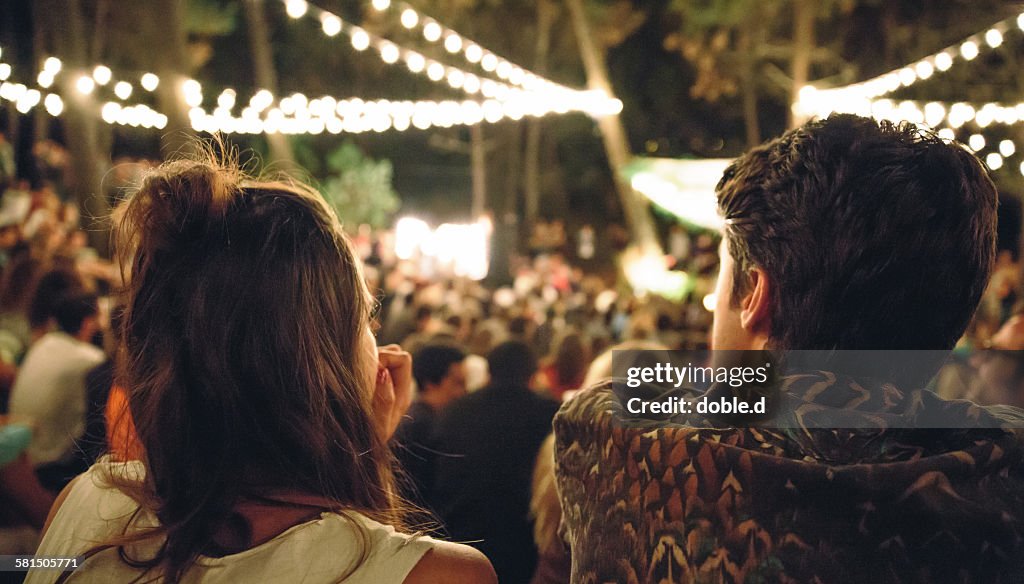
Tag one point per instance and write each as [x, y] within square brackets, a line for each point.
[755, 314]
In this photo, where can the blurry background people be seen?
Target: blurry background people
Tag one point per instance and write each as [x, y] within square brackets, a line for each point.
[566, 367]
[50, 389]
[26, 501]
[440, 376]
[488, 442]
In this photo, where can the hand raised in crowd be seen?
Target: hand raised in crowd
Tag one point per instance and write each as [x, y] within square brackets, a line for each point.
[393, 392]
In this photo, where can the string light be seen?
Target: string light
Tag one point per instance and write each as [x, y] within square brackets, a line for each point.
[123, 89]
[149, 81]
[409, 18]
[296, 8]
[812, 100]
[994, 38]
[101, 74]
[969, 50]
[435, 71]
[331, 24]
[453, 43]
[193, 92]
[85, 85]
[1007, 148]
[25, 99]
[976, 142]
[389, 53]
[360, 40]
[297, 114]
[432, 31]
[994, 161]
[54, 104]
[415, 62]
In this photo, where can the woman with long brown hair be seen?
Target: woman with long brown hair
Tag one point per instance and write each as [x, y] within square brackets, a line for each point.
[261, 402]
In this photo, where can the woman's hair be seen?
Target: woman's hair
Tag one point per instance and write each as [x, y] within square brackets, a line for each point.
[243, 313]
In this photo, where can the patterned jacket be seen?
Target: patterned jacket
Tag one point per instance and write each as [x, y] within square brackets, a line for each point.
[657, 502]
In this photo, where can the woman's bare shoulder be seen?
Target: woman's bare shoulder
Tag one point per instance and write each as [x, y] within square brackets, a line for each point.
[452, 563]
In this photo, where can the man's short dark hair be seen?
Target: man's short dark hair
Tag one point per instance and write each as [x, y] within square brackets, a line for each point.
[432, 362]
[875, 236]
[72, 310]
[511, 363]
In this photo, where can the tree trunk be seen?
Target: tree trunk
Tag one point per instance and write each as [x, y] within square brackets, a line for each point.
[531, 178]
[478, 168]
[167, 29]
[634, 206]
[748, 82]
[265, 73]
[41, 46]
[803, 45]
[80, 124]
[513, 160]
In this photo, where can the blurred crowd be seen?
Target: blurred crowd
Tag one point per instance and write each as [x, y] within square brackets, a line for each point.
[539, 335]
[492, 362]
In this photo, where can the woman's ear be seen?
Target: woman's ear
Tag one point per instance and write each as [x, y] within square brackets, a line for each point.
[755, 313]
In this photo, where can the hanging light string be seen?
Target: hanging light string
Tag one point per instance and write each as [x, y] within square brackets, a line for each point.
[26, 98]
[294, 114]
[813, 101]
[434, 32]
[595, 103]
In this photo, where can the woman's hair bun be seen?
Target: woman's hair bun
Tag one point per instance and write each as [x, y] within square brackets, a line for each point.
[179, 202]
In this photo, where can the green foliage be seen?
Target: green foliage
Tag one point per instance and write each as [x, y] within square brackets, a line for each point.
[210, 18]
[359, 188]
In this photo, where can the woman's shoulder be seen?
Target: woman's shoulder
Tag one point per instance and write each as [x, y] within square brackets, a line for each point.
[453, 563]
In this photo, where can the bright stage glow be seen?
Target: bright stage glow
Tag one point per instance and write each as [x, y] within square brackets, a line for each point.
[647, 274]
[461, 249]
[685, 188]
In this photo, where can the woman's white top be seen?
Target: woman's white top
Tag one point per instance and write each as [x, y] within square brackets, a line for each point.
[322, 550]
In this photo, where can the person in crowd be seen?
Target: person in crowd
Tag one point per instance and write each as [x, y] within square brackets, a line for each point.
[554, 565]
[487, 443]
[521, 328]
[24, 502]
[17, 287]
[842, 234]
[440, 378]
[261, 401]
[50, 387]
[424, 331]
[54, 285]
[567, 365]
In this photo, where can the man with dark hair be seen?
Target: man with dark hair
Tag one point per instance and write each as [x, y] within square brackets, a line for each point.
[843, 234]
[50, 387]
[488, 442]
[440, 378]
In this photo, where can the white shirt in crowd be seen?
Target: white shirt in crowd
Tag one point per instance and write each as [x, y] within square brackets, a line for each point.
[50, 391]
